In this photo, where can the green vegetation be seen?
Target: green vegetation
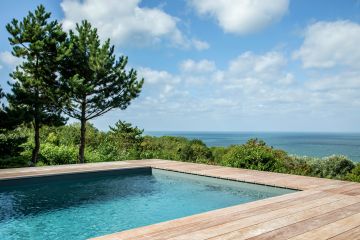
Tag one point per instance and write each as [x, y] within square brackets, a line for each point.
[62, 74]
[94, 80]
[35, 91]
[125, 142]
[74, 74]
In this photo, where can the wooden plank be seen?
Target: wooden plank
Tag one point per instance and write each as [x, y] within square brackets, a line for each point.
[205, 217]
[224, 219]
[332, 229]
[309, 224]
[258, 229]
[259, 218]
[352, 234]
[300, 218]
[353, 192]
[49, 172]
[344, 189]
[335, 185]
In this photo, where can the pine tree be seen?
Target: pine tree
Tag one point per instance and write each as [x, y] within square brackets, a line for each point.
[36, 89]
[95, 81]
[125, 136]
[9, 118]
[3, 115]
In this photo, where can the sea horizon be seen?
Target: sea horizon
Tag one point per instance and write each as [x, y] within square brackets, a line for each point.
[251, 131]
[311, 144]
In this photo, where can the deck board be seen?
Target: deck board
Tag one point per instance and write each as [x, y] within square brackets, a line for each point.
[261, 221]
[256, 214]
[332, 229]
[351, 234]
[292, 218]
[309, 224]
[323, 209]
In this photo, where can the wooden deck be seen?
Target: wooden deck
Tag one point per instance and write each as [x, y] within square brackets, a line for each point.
[324, 209]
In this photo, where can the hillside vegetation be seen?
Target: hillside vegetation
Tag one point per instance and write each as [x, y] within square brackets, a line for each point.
[125, 142]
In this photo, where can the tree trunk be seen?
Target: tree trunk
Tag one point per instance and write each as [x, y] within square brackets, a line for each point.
[35, 152]
[82, 133]
[82, 141]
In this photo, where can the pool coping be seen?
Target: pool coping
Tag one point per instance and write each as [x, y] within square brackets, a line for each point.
[318, 200]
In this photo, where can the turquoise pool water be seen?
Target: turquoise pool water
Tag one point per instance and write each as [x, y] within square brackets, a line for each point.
[88, 205]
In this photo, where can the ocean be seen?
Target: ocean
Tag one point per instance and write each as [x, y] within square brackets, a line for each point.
[302, 144]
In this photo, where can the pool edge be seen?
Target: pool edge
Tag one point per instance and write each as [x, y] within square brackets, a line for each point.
[341, 192]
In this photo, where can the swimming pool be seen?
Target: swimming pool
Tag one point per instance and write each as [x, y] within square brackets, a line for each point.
[80, 206]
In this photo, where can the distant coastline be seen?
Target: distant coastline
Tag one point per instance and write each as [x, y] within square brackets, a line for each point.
[314, 144]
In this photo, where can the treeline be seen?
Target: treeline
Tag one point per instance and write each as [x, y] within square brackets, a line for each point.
[62, 74]
[125, 142]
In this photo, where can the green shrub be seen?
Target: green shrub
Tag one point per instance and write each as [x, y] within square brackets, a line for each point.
[51, 154]
[200, 152]
[175, 148]
[354, 175]
[14, 162]
[255, 154]
[122, 142]
[195, 151]
[59, 145]
[11, 143]
[40, 164]
[294, 165]
[110, 152]
[69, 135]
[125, 136]
[331, 167]
[11, 146]
[92, 155]
[337, 166]
[164, 147]
[218, 154]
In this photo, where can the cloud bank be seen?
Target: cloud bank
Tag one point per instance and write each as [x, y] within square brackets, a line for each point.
[242, 16]
[125, 22]
[330, 44]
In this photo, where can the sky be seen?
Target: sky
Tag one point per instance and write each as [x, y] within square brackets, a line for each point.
[225, 65]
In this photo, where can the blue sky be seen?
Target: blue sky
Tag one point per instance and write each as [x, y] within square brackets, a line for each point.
[227, 65]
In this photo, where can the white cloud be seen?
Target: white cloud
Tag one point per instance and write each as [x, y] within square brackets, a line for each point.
[202, 66]
[242, 16]
[330, 44]
[287, 79]
[168, 89]
[251, 82]
[154, 77]
[9, 60]
[199, 72]
[257, 87]
[342, 81]
[200, 45]
[218, 76]
[160, 83]
[250, 62]
[221, 102]
[125, 22]
[252, 69]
